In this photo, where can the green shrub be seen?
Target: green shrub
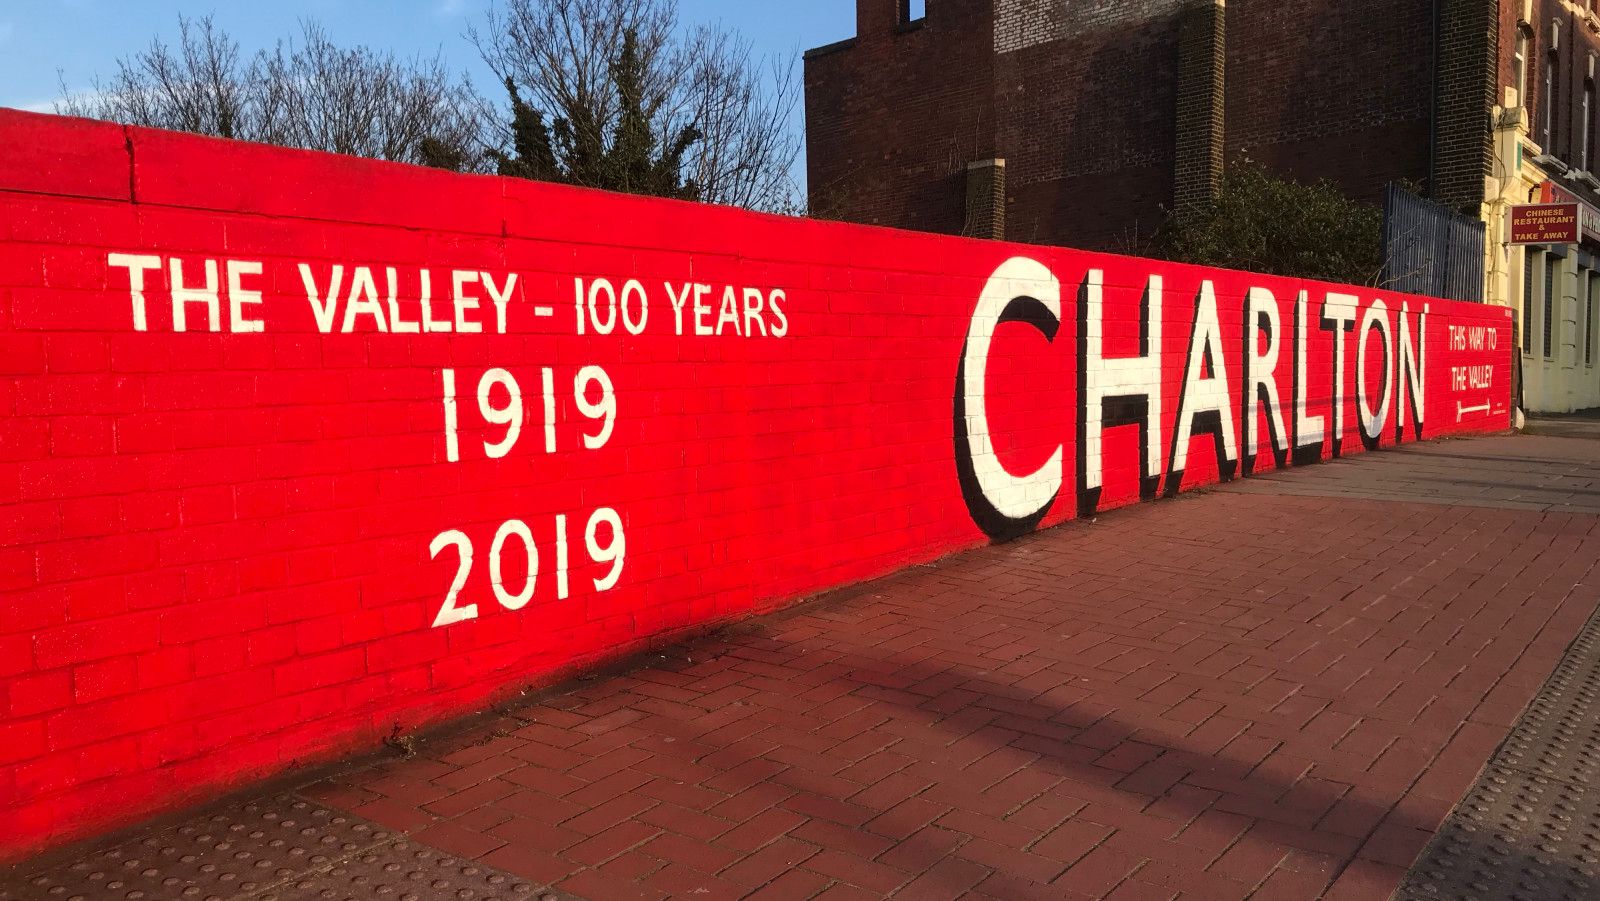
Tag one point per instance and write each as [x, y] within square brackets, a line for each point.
[1262, 223]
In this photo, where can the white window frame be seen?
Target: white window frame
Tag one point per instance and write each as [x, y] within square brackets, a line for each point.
[1588, 123]
[1549, 314]
[1532, 274]
[1519, 62]
[1589, 303]
[1548, 101]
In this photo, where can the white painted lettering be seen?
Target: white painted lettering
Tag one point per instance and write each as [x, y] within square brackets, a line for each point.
[500, 297]
[753, 302]
[324, 310]
[678, 301]
[137, 265]
[730, 311]
[1133, 381]
[183, 295]
[460, 280]
[429, 324]
[239, 296]
[363, 299]
[1413, 369]
[1309, 431]
[1261, 372]
[1339, 316]
[781, 327]
[399, 325]
[1376, 319]
[701, 310]
[1018, 281]
[1202, 394]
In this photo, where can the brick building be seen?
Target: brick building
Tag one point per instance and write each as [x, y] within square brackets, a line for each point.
[1079, 122]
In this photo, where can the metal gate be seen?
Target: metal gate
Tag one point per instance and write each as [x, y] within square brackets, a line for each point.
[1430, 249]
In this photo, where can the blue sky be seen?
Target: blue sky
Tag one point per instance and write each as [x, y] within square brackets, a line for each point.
[83, 38]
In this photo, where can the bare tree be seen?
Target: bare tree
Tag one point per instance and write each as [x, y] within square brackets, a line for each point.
[748, 150]
[311, 94]
[561, 55]
[199, 86]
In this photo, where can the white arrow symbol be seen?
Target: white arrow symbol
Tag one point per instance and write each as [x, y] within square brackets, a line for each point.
[1461, 411]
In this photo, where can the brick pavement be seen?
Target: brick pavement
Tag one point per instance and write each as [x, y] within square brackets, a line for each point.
[1231, 694]
[1228, 695]
[1509, 472]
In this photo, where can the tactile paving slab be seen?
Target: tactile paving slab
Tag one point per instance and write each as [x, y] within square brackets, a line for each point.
[1529, 829]
[278, 848]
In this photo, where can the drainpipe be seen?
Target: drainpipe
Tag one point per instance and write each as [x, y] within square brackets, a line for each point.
[1433, 105]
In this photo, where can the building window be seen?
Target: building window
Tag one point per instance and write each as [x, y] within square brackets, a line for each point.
[1519, 64]
[1530, 260]
[1591, 308]
[912, 10]
[1588, 122]
[1548, 101]
[1552, 265]
[1580, 305]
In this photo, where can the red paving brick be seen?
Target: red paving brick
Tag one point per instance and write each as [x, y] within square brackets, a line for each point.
[1232, 694]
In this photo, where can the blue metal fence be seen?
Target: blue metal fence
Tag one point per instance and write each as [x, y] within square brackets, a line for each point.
[1430, 249]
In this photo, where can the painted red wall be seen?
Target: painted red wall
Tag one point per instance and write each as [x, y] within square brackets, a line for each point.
[215, 547]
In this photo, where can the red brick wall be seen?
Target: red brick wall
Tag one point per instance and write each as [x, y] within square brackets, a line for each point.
[1337, 89]
[1086, 123]
[1084, 109]
[232, 549]
[895, 114]
[1578, 42]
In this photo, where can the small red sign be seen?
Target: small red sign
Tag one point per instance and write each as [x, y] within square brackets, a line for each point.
[1545, 223]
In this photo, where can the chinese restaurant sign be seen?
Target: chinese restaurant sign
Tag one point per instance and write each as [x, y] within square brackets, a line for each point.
[1545, 223]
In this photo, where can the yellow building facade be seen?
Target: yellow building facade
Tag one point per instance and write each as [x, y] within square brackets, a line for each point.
[1545, 152]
